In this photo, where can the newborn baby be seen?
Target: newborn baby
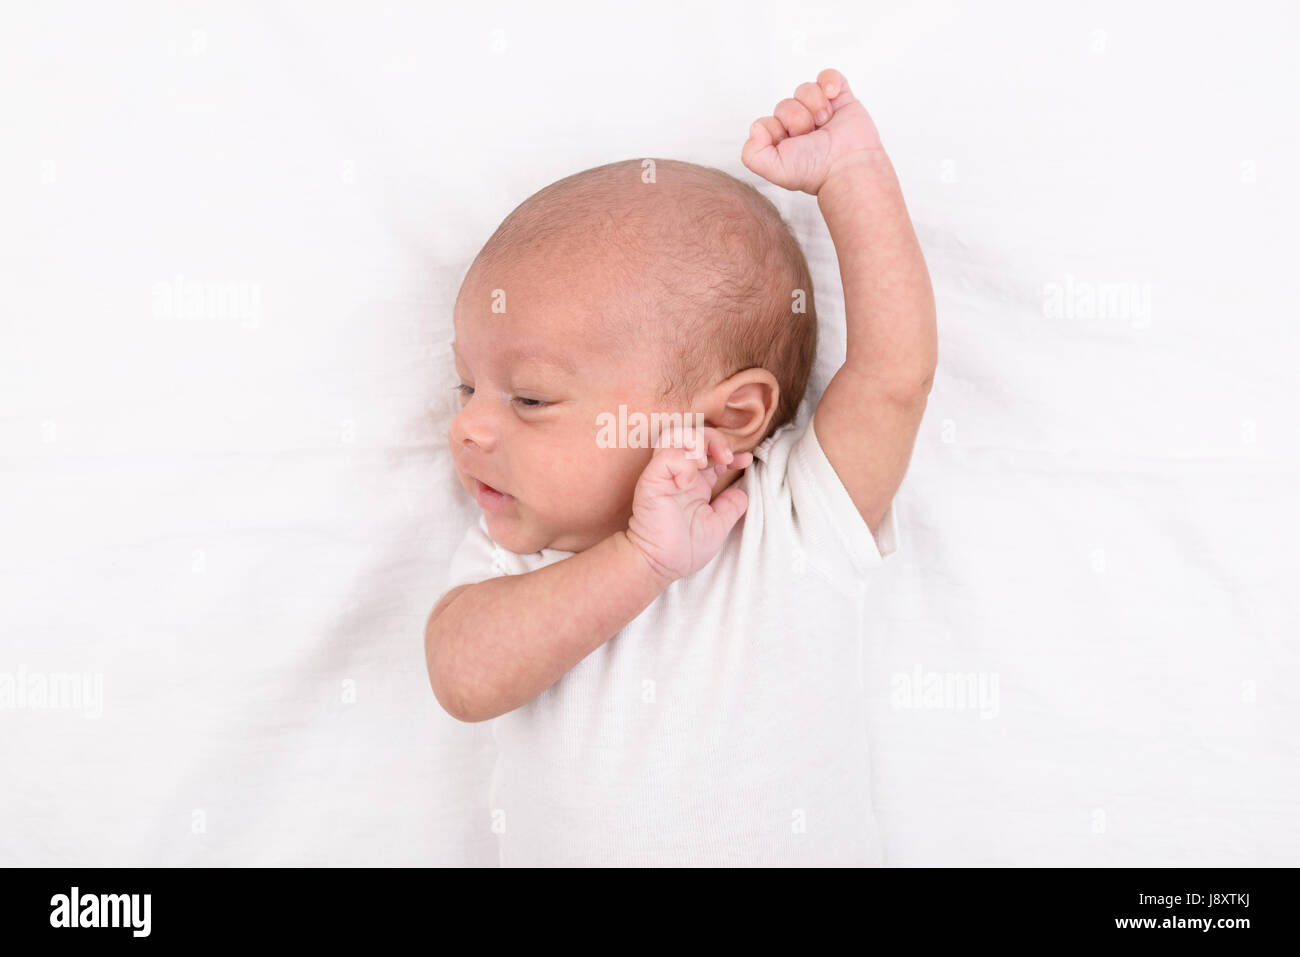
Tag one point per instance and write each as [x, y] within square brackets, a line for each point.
[667, 627]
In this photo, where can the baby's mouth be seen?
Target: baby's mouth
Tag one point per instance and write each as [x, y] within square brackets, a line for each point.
[490, 498]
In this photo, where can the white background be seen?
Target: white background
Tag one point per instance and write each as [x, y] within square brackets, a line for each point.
[239, 518]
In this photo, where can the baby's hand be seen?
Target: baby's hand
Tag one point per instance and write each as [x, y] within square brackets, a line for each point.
[807, 135]
[673, 523]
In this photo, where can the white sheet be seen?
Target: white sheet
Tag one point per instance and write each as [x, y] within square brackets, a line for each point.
[225, 494]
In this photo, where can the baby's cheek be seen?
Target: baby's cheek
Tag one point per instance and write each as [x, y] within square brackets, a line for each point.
[609, 477]
[620, 468]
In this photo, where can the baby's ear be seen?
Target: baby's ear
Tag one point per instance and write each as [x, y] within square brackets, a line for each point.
[742, 406]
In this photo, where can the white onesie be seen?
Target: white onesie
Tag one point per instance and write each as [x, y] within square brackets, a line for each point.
[726, 724]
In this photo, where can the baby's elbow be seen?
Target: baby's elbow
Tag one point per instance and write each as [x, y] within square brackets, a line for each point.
[913, 388]
[461, 699]
[927, 381]
[450, 695]
[455, 708]
[460, 705]
[447, 699]
[447, 689]
[441, 677]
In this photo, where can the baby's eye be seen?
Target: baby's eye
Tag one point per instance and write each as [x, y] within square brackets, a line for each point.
[465, 390]
[531, 403]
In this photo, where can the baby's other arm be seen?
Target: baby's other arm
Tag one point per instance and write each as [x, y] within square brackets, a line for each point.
[823, 142]
[495, 645]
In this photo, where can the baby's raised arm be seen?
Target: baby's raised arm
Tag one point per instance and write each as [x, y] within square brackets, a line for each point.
[823, 142]
[493, 646]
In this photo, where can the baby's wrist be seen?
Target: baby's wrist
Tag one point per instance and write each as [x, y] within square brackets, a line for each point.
[846, 169]
[645, 567]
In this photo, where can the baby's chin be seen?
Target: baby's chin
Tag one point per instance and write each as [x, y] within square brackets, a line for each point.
[516, 536]
[510, 533]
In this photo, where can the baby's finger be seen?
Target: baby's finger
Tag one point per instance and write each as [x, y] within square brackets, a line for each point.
[681, 468]
[767, 130]
[697, 446]
[742, 460]
[712, 474]
[795, 117]
[834, 86]
[719, 451]
[815, 101]
[726, 509]
[675, 436]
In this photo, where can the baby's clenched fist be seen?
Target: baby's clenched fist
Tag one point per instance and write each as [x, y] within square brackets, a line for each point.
[806, 135]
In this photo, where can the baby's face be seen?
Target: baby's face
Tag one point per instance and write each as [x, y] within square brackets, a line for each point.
[534, 379]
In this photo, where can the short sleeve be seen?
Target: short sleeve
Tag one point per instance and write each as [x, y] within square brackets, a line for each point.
[476, 558]
[826, 511]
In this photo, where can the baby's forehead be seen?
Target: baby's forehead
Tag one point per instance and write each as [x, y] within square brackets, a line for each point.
[555, 305]
[558, 278]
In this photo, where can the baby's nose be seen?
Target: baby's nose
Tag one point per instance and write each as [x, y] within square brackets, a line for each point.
[473, 427]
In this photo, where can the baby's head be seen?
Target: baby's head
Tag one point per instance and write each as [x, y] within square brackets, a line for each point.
[661, 287]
